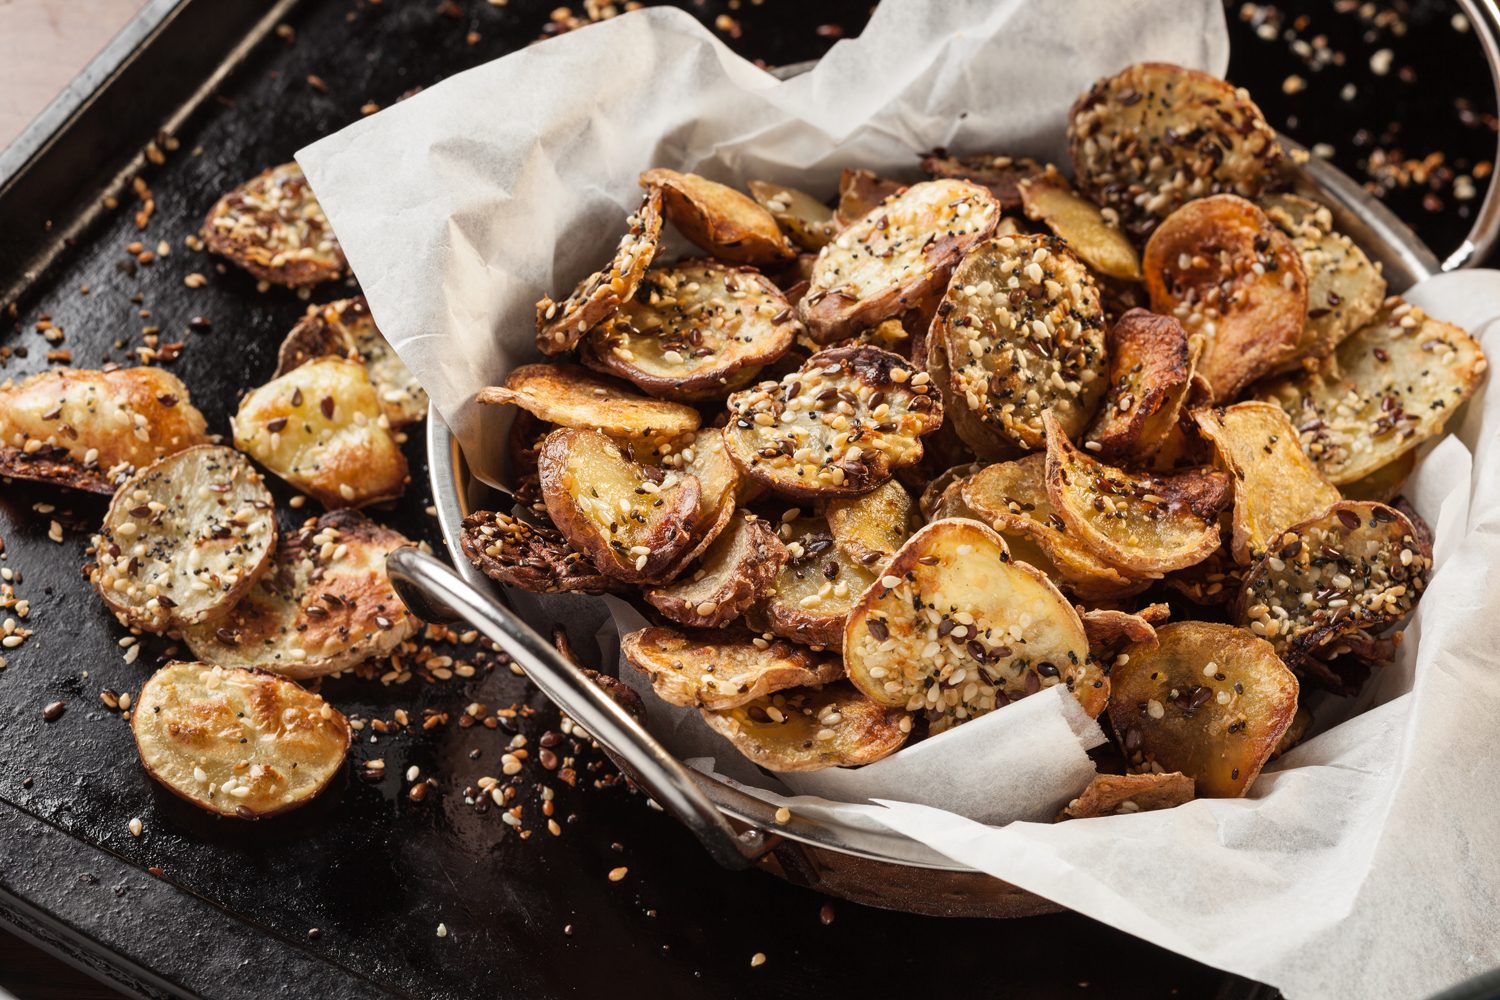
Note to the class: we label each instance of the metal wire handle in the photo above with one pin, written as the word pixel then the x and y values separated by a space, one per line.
pixel 1484 15
pixel 435 592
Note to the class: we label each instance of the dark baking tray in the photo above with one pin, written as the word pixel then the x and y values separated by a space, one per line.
pixel 229 911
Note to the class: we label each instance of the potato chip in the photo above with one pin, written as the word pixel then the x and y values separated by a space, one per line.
pixel 1208 700
pixel 1001 174
pixel 719 219
pixel 802 217
pixel 872 527
pixel 1107 627
pixel 815 587
pixel 273 227
pixel 933 493
pixel 346 329
pixel 717 673
pixel 534 557
pixel 860 193
pixel 810 728
pixel 720 489
pixel 1384 484
pixel 570 396
pixel 1150 371
pixel 733 573
pixel 1123 794
pixel 1073 218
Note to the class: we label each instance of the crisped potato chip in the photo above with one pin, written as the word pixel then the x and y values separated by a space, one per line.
pixel 719 219
pixel 88 430
pixel 1123 794
pixel 1155 136
pixel 1141 522
pixel 1275 484
pixel 955 629
pixel 694 331
pixel 1048 199
pixel 815 587
pixel 1024 334
pixel 733 573
pixel 534 557
pixel 835 428
pixel 807 729
pixel 1384 484
pixel 860 193
pixel 894 257
pixel 273 227
pixel 1359 566
pixel 324 605
pixel 1227 273
pixel 241 743
pixel 321 427
pixel 1344 290
pixel 570 396
pixel 1209 700
pixel 560 325
pixel 184 539
pixel 1001 174
pixel 933 493
pixel 1106 627
pixel 802 217
pixel 1386 389
pixel 872 527
pixel 345 328
pixel 1150 371
pixel 719 674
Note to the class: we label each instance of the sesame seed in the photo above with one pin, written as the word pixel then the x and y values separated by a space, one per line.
pixel 618 874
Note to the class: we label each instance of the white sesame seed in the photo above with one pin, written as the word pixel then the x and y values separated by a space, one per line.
pixel 135 826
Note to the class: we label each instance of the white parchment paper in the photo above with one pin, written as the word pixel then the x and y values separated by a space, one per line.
pixel 1365 864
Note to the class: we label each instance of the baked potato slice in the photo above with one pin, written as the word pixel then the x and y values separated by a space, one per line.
pixel 894 256
pixel 1344 290
pixel 324 605
pixel 560 325
pixel 89 430
pixel 1230 275
pixel 241 743
pixel 1107 628
pixel 694 331
pixel 570 396
pixel 1357 567
pixel 732 575
pixel 1123 794
pixel 1048 198
pixel 1387 388
pixel 860 193
pixel 955 629
pixel 810 728
pixel 274 228
pixel 803 218
pixel 1024 333
pixel 1001 174
pixel 321 427
pixel 633 523
pixel 1208 700
pixel 346 329
pixel 836 427
pixel 1141 522
pixel 933 494
pixel 1155 136
pixel 695 671
pixel 1275 484
pixel 533 557
pixel 814 589
pixel 1384 484
pixel 184 539
pixel 1150 371
pixel 720 220
pixel 871 528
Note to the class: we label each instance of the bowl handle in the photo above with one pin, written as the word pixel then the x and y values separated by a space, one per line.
pixel 433 591
pixel 1484 15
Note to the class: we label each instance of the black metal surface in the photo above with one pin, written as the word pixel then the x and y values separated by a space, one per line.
pixel 229 914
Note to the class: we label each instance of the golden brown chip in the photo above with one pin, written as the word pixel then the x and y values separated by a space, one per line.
pixel 324 605
pixel 321 427
pixel 241 743
pixel 1141 522
pixel 894 256
pixel 808 729
pixel 1024 334
pixel 1123 794
pixel 1155 136
pixel 1209 700
pixel 1384 484
pixel 570 396
pixel 955 629
pixel 1071 217
pixel 719 219
pixel 860 193
pixel 872 527
pixel 345 328
pixel 1107 627
pixel 632 524
pixel 1150 371
pixel 815 587
pixel 1275 484
pixel 694 331
pixel 89 430
pixel 273 227
pixel 802 217
pixel 533 557
pixel 933 494
pixel 718 674
pixel 1358 567
pixel 184 539
pixel 1002 175
pixel 1227 273
pixel 1388 388
pixel 560 325
pixel 733 573
pixel 837 427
